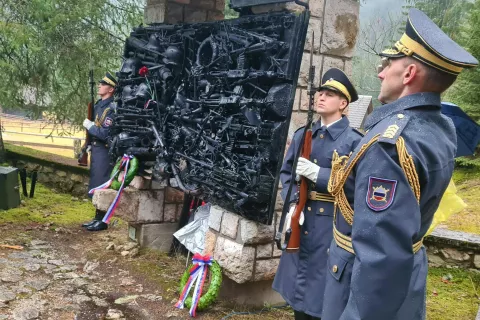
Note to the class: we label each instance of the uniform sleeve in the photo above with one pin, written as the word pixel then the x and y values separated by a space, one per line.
pixel 286 171
pixel 387 218
pixel 101 132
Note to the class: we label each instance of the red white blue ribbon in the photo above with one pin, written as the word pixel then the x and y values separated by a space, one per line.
pixel 198 274
pixel 111 210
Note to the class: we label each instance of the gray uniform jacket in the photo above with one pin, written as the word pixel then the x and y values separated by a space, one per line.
pixel 384 279
pixel 300 277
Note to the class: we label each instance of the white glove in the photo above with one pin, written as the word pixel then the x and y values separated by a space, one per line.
pixel 89 148
pixel 289 217
pixel 307 169
pixel 87 124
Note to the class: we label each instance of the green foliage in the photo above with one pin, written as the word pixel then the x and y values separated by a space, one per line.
pixel 229 12
pixel 46 47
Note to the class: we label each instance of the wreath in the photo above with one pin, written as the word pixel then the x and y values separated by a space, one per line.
pixel 208 297
pixel 132 171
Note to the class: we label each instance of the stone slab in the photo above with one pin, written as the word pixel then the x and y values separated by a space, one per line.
pixel 255 294
pixel 156 236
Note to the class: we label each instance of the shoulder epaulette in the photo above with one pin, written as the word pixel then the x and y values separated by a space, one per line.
pixel 394 129
pixel 359 132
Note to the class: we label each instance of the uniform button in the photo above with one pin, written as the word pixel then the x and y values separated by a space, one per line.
pixel 321 210
pixel 306 232
pixel 315 160
pixel 309 208
pixel 400 116
pixel 334 269
pixel 321 136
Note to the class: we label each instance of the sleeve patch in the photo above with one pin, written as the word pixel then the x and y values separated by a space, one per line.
pixel 108 122
pixel 381 193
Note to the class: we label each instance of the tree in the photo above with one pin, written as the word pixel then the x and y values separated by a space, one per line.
pixel 465 90
pixel 46 47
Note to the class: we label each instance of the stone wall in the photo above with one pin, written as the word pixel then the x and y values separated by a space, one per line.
pixel 57 172
pixel 453 249
pixel 176 11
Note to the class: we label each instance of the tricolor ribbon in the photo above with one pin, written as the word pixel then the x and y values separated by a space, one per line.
pixel 123 165
pixel 198 274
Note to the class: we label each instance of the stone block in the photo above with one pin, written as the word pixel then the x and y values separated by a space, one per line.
pixel 150 204
pixel 214 15
pixel 266 269
pixel 298 120
pixel 278 202
pixel 156 236
pixel 193 15
pixel 179 212
pixel 316 8
pixel 331 62
pixel 255 233
pixel 476 261
pixel 46 169
pixel 215 218
pixel 61 174
pixel 141 183
pixel 175 13
pixel 203 4
pixel 268 8
pixel 76 178
pixel 229 224
pixel 173 195
pixel 169 212
pixel 255 294
pixel 220 5
pixel 455 255
pixel 264 251
pixel 210 241
pixel 127 208
pixel 436 261
pixel 158 185
pixel 348 69
pixel 235 259
pixel 276 252
pixel 305 67
pixel 340 28
pixel 315 27
pixel 155 12
pixel 181 1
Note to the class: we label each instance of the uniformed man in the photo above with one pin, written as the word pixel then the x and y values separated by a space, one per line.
pixel 390 187
pixel 100 167
pixel 300 278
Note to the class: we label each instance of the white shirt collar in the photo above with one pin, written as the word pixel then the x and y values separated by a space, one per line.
pixel 328 125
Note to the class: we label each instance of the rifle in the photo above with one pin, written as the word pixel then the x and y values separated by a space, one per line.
pixel 292 234
pixel 83 157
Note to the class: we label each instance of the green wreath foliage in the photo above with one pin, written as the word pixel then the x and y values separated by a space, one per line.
pixel 132 171
pixel 209 297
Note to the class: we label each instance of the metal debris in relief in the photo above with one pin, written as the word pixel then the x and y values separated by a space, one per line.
pixel 207 106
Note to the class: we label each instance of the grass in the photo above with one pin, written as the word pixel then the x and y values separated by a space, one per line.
pixel 452 299
pixel 468 187
pixel 47 206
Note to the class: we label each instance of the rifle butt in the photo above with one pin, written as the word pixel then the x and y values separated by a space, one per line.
pixel 83 159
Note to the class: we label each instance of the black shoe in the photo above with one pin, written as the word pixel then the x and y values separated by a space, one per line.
pixel 88 224
pixel 98 226
pixel 98 217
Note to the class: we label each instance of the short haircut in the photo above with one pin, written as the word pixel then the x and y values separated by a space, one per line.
pixel 435 80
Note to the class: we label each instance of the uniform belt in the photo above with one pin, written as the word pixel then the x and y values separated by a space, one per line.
pixel 345 242
pixel 98 143
pixel 312 195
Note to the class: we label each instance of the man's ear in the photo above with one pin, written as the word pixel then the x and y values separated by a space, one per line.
pixel 343 104
pixel 411 72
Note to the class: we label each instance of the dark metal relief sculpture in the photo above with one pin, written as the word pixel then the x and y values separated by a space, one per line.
pixel 207 106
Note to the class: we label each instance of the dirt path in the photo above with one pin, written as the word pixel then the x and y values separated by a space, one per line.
pixel 72 274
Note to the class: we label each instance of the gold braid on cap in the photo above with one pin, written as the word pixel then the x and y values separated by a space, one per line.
pixel 340 87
